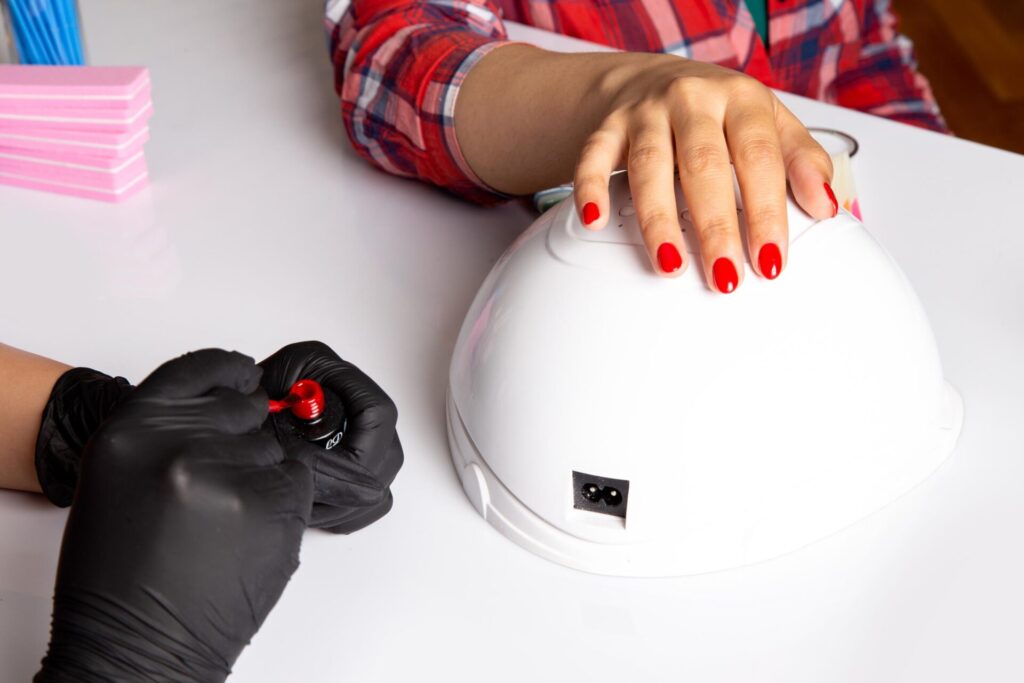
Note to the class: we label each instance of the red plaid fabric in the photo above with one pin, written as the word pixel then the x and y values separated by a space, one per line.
pixel 399 63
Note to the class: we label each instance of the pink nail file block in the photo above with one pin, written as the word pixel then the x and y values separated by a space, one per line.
pixel 77 130
pixel 105 177
pixel 74 143
pixel 122 109
pixel 98 122
pixel 117 194
pixel 72 158
pixel 76 87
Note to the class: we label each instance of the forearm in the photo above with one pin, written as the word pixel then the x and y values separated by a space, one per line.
pixel 524 113
pixel 25 384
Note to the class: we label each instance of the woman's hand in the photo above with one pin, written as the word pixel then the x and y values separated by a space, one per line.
pixel 665 113
pixel 586 115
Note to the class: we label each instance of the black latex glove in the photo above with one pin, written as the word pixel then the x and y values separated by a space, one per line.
pixel 184 530
pixel 352 480
pixel 80 401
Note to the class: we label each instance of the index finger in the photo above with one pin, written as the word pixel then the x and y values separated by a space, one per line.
pixel 652 181
pixel 198 372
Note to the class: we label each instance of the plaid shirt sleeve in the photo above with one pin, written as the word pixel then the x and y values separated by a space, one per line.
pixel 885 80
pixel 398 67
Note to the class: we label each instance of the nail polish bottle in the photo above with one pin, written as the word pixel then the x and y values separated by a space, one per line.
pixel 312 413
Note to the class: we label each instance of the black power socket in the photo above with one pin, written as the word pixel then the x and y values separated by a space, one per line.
pixel 600 494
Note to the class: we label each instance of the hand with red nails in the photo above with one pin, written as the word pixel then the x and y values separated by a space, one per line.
pixel 588 115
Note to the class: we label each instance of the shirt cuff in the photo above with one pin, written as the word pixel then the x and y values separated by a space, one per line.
pixel 473 188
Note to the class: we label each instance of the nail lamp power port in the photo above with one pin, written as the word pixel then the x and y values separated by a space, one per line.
pixel 626 424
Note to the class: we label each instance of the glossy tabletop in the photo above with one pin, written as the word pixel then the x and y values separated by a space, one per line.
pixel 262 227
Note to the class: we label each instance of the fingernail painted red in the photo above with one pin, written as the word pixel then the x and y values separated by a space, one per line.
pixel 770 260
pixel 669 258
pixel 590 213
pixel 725 275
pixel 832 198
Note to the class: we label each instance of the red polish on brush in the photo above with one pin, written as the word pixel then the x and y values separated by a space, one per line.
pixel 305 400
pixel 311 413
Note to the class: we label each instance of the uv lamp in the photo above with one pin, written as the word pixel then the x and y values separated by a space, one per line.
pixel 627 424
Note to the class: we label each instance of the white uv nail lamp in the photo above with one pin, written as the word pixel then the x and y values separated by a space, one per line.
pixel 627 424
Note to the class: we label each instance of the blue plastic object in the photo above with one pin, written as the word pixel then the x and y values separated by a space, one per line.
pixel 46 31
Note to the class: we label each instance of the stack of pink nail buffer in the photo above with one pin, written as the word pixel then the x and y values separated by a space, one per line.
pixel 76 130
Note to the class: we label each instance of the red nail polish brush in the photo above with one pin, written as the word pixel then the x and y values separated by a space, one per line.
pixel 305 400
pixel 311 412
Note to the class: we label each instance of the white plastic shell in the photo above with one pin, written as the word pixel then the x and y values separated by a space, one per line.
pixel 747 425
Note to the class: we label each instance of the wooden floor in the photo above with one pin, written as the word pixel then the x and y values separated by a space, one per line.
pixel 972 51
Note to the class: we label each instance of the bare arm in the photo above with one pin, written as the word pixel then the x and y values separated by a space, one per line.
pixel 524 113
pixel 25 384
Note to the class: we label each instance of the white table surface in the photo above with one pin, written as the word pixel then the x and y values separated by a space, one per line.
pixel 253 182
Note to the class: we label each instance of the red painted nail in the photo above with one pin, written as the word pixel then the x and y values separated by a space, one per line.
pixel 832 198
pixel 770 260
pixel 669 258
pixel 725 275
pixel 590 213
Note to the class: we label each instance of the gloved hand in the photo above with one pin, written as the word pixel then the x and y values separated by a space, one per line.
pixel 185 529
pixel 353 479
pixel 80 401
